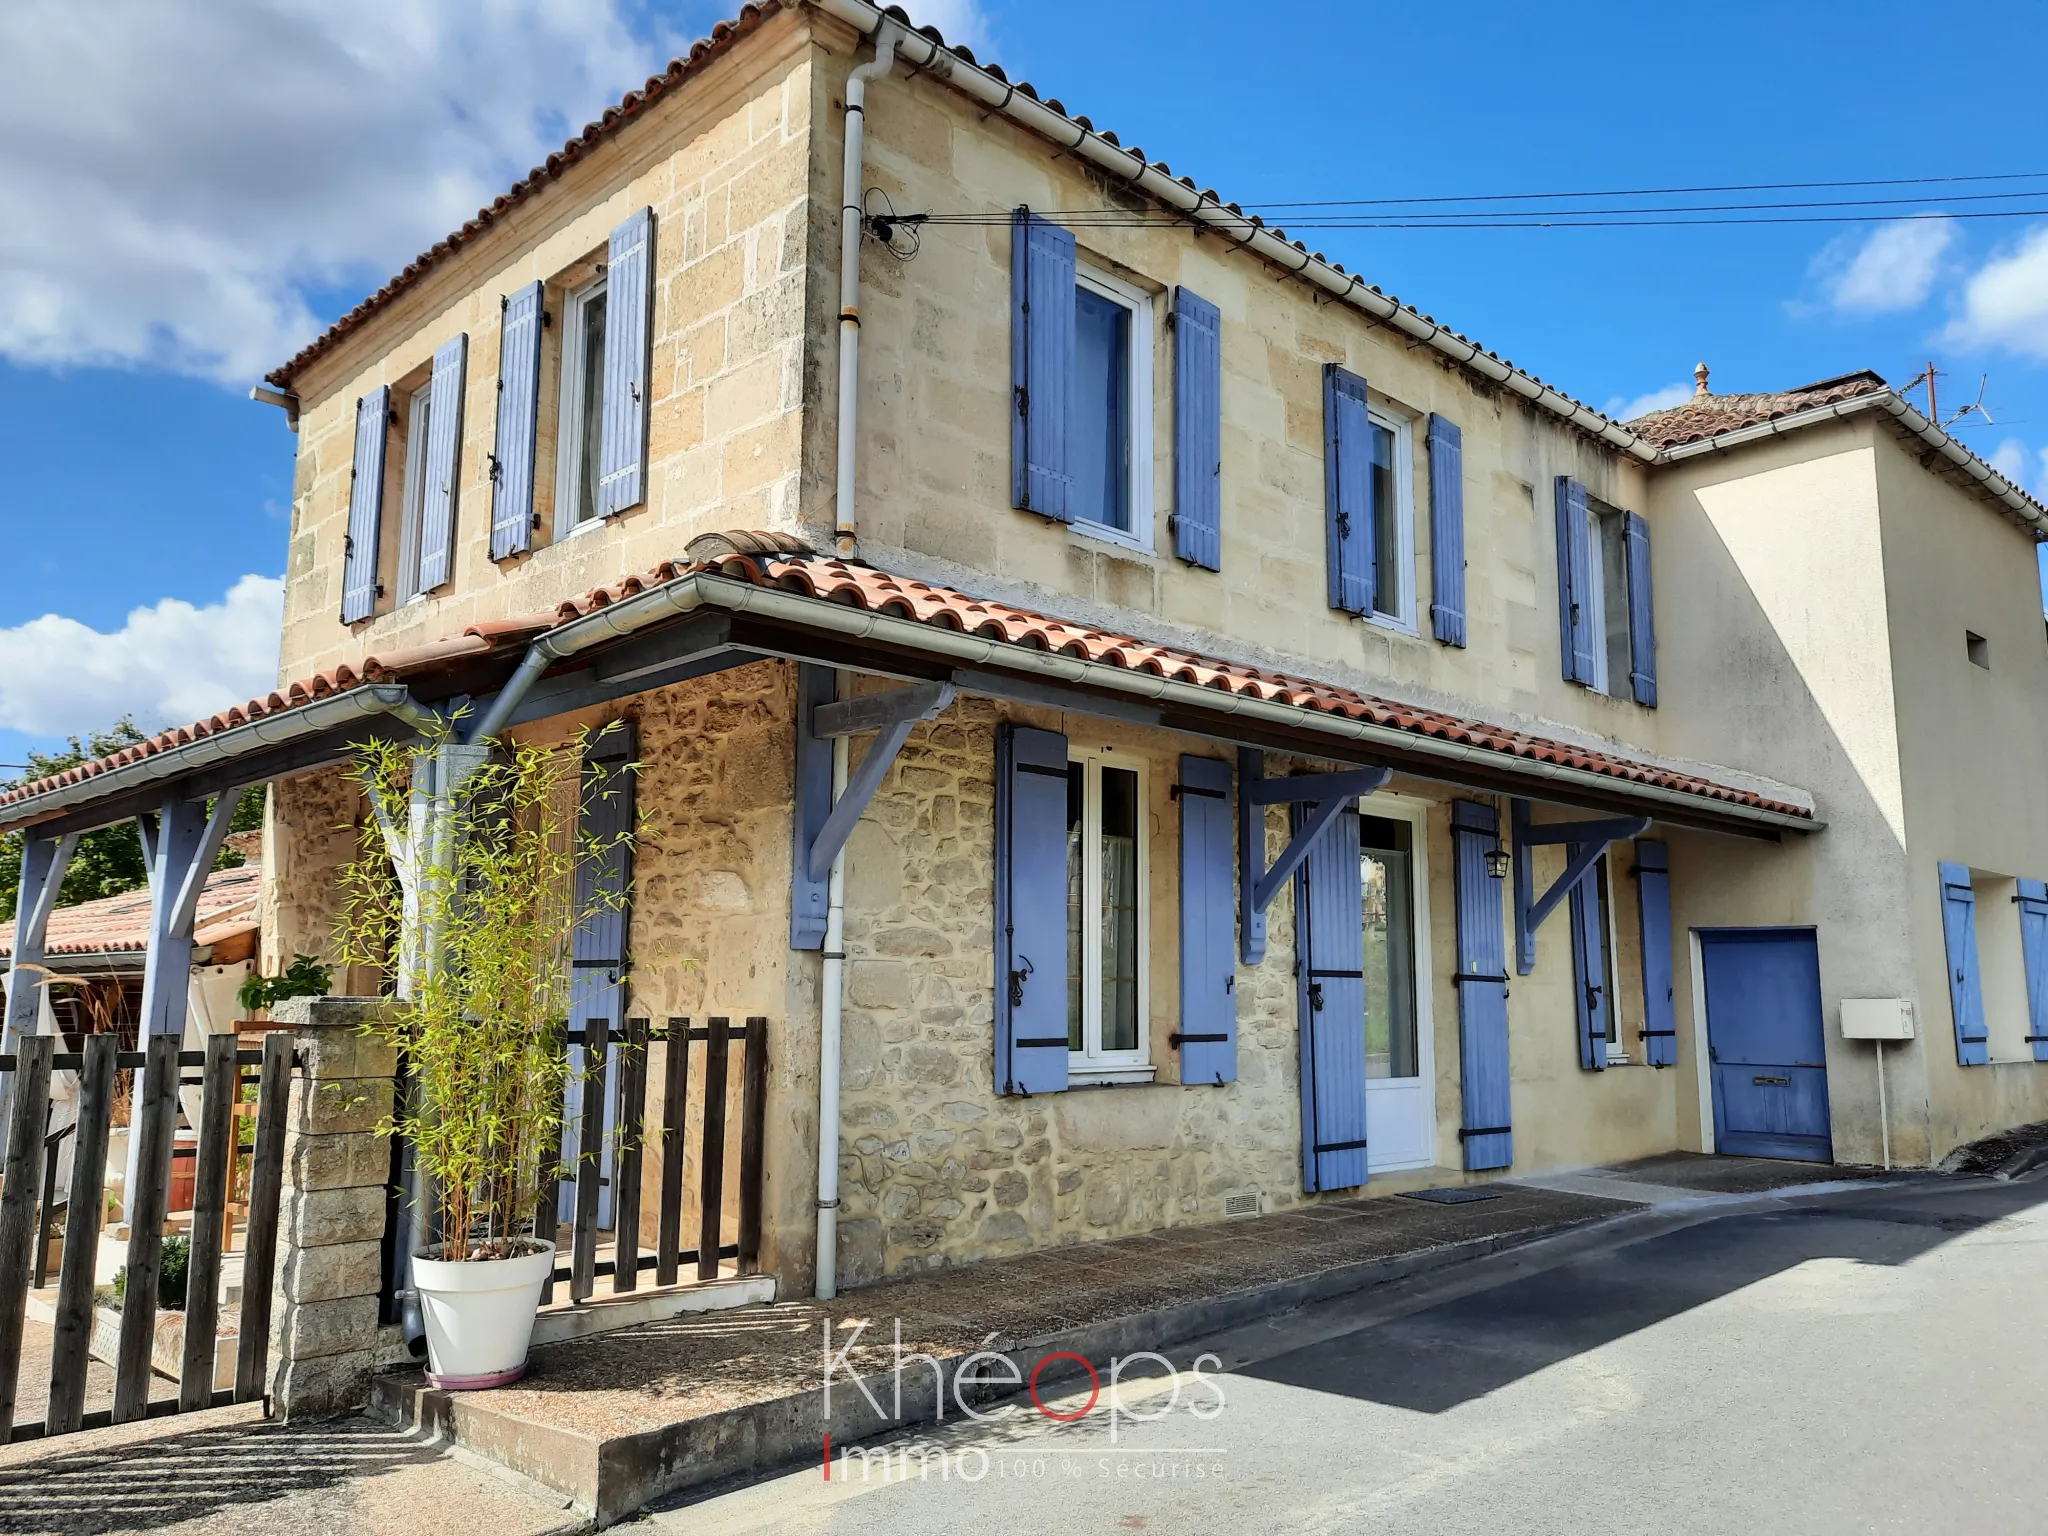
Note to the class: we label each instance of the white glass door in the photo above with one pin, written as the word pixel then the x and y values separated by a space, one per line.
pixel 1400 1095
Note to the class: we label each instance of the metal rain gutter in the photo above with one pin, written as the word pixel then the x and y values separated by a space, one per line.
pixel 273 730
pixel 698 590
pixel 1003 97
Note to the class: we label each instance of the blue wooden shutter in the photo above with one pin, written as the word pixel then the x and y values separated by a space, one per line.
pixel 1041 364
pixel 1198 430
pixel 628 365
pixel 1589 971
pixel 1208 930
pixel 443 467
pixel 1965 990
pixel 1347 491
pixel 1482 989
pixel 1653 909
pixel 359 585
pixel 2034 946
pixel 597 978
pixel 518 423
pixel 1031 911
pixel 1642 616
pixel 1447 529
pixel 1574 578
pixel 1330 955
pixel 810 809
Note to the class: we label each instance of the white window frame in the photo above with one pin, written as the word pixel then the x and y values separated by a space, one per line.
pixel 1138 394
pixel 568 462
pixel 1415 812
pixel 1601 520
pixel 412 498
pixel 1402 620
pixel 1617 1044
pixel 1092 1064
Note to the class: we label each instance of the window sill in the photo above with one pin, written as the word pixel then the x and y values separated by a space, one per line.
pixel 1102 533
pixel 1108 1077
pixel 1616 1057
pixel 1392 625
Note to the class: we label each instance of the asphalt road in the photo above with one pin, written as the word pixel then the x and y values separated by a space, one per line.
pixel 1874 1361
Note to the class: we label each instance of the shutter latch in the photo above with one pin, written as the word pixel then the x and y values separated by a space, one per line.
pixel 1017 982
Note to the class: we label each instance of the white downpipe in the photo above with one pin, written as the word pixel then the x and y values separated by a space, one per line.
pixel 849 277
pixel 832 983
pixel 832 990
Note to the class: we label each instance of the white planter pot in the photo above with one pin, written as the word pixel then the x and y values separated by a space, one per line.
pixel 479 1317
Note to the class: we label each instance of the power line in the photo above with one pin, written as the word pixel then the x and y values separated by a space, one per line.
pixel 1133 219
pixel 1760 186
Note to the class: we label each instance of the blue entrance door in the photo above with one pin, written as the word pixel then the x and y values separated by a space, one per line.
pixel 1765 1043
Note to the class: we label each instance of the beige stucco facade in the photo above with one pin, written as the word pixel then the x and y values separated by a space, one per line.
pixel 1812 597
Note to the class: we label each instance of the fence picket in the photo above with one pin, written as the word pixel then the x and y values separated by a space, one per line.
pixel 753 1130
pixel 71 1338
pixel 547 1205
pixel 18 1224
pixel 675 1098
pixel 153 1125
pixel 266 1185
pixel 589 1159
pixel 711 1164
pixel 632 1076
pixel 209 1206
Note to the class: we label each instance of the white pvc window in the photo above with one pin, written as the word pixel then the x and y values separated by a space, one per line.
pixel 1607 597
pixel 412 501
pixel 1393 499
pixel 1108 918
pixel 1110 446
pixel 578 444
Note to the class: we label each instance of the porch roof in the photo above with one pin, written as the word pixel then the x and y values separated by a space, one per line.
pixel 753 595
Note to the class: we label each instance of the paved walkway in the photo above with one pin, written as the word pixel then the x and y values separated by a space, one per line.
pixel 686 1396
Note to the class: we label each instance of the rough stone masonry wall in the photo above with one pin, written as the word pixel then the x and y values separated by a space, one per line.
pixel 935 1166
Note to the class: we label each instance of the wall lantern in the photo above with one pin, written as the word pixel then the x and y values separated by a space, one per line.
pixel 1498 864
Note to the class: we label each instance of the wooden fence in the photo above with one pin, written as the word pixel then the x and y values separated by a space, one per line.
pixel 29 1220
pixel 623 1060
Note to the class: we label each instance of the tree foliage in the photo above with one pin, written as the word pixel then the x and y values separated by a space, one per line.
pixel 107 861
pixel 480 1024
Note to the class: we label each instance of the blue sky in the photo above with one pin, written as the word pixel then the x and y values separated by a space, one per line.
pixel 240 175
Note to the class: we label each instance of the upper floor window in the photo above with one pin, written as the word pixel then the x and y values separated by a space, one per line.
pixel 412 499
pixel 580 443
pixel 1607 597
pixel 1369 503
pixel 1393 532
pixel 1111 445
pixel 1106 913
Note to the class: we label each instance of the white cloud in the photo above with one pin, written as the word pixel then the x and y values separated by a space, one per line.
pixel 2005 302
pixel 1893 269
pixel 962 21
pixel 168 664
pixel 1656 400
pixel 179 173
pixel 2024 467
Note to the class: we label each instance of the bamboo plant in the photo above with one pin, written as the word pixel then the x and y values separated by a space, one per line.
pixel 483 931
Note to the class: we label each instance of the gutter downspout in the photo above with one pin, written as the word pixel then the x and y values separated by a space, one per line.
pixel 832 980
pixel 849 277
pixel 832 994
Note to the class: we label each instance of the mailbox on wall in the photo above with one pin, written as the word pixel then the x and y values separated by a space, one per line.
pixel 1877 1018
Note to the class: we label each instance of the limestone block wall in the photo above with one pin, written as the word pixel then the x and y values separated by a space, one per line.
pixel 724 163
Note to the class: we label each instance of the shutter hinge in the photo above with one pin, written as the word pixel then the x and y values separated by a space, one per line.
pixel 493 458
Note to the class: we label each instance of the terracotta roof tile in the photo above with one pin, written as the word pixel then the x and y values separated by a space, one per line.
pixel 776 561
pixel 120 924
pixel 1706 415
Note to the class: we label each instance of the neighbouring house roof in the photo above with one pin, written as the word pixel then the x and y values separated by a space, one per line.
pixel 782 565
pixel 119 925
pixel 1706 415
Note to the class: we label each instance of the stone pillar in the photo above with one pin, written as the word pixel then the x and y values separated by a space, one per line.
pixel 324 1323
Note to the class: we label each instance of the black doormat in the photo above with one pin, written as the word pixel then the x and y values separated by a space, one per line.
pixel 1450 1195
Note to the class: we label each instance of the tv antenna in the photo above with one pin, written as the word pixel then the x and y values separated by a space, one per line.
pixel 1928 376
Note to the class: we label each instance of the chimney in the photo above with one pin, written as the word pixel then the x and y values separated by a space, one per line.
pixel 1699 374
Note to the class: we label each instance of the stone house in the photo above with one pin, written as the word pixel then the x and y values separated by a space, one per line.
pixel 1183 733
